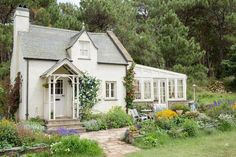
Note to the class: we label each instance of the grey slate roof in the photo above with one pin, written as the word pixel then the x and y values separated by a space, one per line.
pixel 51 43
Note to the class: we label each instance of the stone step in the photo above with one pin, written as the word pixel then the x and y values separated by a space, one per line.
pixel 53 125
pixel 64 121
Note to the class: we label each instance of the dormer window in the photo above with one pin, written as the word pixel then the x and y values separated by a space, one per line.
pixel 84 49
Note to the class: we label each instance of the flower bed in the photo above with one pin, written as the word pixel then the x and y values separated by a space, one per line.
pixel 169 125
pixel 115 118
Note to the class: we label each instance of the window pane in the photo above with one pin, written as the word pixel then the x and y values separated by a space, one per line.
pixel 107 90
pixel 171 88
pixel 84 49
pixel 147 90
pixel 137 90
pixel 112 90
pixel 155 88
pixel 180 88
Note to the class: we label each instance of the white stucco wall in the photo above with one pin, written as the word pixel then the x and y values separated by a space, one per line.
pixel 37 93
pixel 103 72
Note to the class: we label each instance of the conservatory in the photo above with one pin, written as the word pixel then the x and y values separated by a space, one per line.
pixel 159 87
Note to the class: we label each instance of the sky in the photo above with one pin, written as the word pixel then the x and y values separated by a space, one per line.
pixel 71 1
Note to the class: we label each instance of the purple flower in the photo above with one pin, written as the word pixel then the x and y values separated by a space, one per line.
pixel 64 131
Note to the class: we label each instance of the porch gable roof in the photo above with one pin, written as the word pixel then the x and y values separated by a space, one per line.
pixel 63 62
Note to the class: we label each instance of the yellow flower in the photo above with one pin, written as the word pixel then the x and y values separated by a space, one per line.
pixel 234 106
pixel 167 114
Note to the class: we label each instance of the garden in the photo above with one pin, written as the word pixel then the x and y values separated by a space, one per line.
pixel 29 137
pixel 179 127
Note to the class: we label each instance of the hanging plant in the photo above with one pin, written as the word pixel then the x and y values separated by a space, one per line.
pixel 129 85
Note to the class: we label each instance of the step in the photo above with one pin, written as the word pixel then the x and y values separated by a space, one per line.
pixel 64 121
pixel 53 125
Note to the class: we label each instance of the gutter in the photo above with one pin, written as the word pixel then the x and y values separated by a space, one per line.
pixel 27 90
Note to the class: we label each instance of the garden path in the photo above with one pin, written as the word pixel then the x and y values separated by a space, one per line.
pixel 110 140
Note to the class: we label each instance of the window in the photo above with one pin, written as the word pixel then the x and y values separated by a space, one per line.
pixel 163 91
pixel 147 89
pixel 110 90
pixel 155 89
pixel 171 89
pixel 84 49
pixel 58 87
pixel 137 89
pixel 180 88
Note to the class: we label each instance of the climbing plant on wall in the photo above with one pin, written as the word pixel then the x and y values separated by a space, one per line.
pixel 88 93
pixel 129 85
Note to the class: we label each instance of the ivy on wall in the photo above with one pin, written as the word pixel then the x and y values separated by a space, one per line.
pixel 129 85
pixel 88 93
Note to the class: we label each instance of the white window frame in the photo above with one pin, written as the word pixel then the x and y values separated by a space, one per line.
pixel 84 46
pixel 142 80
pixel 172 88
pixel 149 88
pixel 62 89
pixel 178 86
pixel 139 87
pixel 110 97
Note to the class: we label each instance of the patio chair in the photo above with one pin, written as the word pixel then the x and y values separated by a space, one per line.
pixel 136 116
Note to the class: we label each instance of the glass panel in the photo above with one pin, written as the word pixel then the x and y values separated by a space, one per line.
pixel 112 90
pixel 171 88
pixel 107 90
pixel 155 90
pixel 84 49
pixel 58 87
pixel 180 88
pixel 163 91
pixel 137 90
pixel 147 89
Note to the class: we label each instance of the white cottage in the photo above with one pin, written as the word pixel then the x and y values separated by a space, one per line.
pixel 51 61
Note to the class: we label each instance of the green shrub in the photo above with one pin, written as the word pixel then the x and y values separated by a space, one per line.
pixel 225 122
pixel 74 145
pixel 117 118
pixel 93 125
pixel 147 126
pixel 183 107
pixel 165 124
pixel 215 112
pixel 190 127
pixel 152 139
pixel 35 126
pixel 8 133
pixel 37 120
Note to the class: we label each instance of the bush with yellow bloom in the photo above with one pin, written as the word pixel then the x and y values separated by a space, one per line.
pixel 166 114
pixel 234 106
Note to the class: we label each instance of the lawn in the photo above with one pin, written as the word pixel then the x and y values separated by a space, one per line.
pixel 209 97
pixel 217 145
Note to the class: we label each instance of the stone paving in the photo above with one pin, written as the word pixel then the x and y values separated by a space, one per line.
pixel 110 140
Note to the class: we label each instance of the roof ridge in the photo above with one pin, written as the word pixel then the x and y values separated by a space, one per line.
pixel 53 28
pixel 97 32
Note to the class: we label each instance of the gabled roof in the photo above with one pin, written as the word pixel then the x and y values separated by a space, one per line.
pixel 52 44
pixel 120 46
pixel 66 63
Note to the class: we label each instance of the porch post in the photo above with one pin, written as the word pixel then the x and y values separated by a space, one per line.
pixel 49 98
pixel 77 96
pixel 73 97
pixel 54 97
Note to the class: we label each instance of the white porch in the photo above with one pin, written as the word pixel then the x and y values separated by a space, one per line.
pixel 62 94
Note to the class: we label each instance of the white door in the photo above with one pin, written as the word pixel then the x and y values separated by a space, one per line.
pixel 59 97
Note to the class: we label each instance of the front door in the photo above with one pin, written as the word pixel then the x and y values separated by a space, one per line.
pixel 59 97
